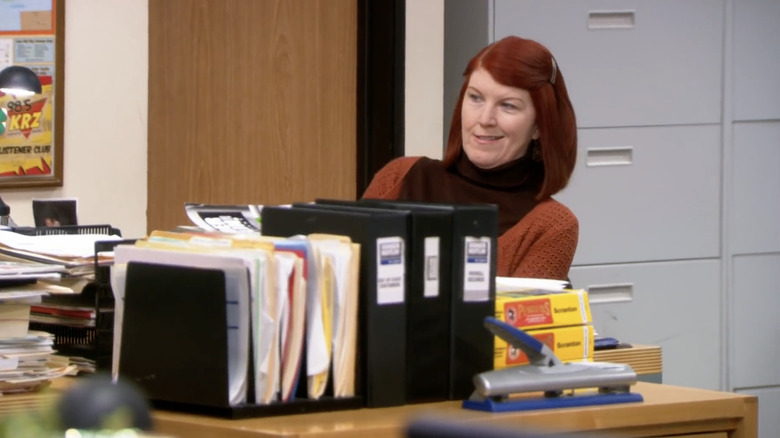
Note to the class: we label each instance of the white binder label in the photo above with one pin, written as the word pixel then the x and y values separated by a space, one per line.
pixel 390 270
pixel 476 281
pixel 431 288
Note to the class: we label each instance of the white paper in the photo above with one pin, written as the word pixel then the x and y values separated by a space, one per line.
pixel 60 245
pixel 431 285
pixel 509 284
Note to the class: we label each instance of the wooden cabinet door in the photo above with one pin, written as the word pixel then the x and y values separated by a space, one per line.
pixel 250 102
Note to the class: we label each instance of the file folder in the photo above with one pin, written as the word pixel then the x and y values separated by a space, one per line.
pixel 428 298
pixel 473 269
pixel 382 237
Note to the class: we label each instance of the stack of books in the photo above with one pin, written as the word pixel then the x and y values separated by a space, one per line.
pixel 558 317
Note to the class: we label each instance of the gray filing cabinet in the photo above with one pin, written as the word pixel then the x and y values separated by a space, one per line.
pixel 677 183
pixel 752 191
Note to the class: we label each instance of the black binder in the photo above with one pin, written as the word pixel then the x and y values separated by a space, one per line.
pixel 428 298
pixel 382 319
pixel 471 344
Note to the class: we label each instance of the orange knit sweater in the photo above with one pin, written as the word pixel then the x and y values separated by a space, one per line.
pixel 541 245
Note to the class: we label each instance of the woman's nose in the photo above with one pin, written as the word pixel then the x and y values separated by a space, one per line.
pixel 487 117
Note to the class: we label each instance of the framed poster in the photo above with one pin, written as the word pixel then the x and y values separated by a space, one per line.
pixel 32 35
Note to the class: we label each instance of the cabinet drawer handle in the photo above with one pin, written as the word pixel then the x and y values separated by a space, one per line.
pixel 618 156
pixel 610 293
pixel 598 20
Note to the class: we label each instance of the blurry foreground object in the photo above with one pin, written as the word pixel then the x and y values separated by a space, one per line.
pixel 98 404
pixel 92 407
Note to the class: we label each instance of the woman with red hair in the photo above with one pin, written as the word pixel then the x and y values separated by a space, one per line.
pixel 513 143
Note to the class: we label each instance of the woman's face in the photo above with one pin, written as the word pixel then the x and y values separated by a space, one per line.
pixel 498 122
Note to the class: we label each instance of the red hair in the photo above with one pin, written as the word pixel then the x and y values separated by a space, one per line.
pixel 526 64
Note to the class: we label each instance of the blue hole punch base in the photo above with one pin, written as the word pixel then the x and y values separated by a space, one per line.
pixel 563 401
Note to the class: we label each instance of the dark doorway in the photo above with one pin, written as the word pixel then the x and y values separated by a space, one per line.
pixel 380 108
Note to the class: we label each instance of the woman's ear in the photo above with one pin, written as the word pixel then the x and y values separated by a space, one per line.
pixel 535 135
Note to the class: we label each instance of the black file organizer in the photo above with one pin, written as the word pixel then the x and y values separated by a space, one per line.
pixel 94 343
pixel 174 345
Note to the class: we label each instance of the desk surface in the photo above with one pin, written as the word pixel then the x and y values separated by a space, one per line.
pixel 667 410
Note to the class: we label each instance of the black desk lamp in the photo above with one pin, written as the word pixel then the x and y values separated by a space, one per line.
pixel 19 81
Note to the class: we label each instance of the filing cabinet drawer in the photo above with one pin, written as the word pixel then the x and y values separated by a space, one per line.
pixel 644 194
pixel 756 341
pixel 756 61
pixel 628 63
pixel 672 304
pixel 755 211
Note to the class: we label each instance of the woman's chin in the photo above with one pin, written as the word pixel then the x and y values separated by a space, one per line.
pixel 483 162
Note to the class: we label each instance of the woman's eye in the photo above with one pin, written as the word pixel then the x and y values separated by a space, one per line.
pixel 508 106
pixel 474 97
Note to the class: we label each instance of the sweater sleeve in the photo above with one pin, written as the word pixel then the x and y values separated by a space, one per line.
pixel 387 183
pixel 544 246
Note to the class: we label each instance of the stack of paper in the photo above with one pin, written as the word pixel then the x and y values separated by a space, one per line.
pixel 68 250
pixel 24 355
pixel 294 297
pixel 27 361
pixel 644 359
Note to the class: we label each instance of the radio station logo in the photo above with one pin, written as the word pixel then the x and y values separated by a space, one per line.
pixel 22 116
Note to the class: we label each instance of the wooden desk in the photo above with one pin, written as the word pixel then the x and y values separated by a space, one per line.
pixel 666 411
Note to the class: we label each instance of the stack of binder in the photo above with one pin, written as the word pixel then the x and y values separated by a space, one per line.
pixel 429 342
pixel 382 311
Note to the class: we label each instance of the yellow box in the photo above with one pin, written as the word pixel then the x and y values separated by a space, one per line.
pixel 530 309
pixel 572 343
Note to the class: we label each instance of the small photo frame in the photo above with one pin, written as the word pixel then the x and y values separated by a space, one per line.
pixel 55 212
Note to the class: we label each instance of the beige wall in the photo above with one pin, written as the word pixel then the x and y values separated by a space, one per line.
pixel 106 69
pixel 105 111
pixel 424 78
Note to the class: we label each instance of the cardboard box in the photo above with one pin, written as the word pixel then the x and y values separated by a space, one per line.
pixel 533 309
pixel 572 343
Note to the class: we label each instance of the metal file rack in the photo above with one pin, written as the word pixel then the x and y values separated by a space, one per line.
pixel 95 342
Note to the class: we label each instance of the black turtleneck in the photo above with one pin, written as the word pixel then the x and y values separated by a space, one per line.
pixel 512 186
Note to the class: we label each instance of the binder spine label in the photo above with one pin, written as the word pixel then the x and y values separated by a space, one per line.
pixel 476 281
pixel 390 270
pixel 431 287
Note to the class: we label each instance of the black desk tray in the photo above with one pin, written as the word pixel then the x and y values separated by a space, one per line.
pixel 302 406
